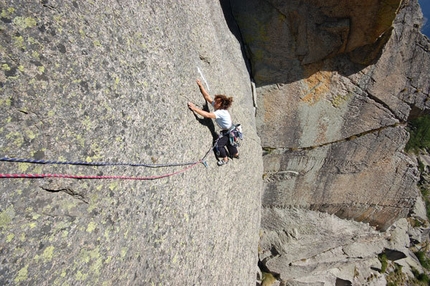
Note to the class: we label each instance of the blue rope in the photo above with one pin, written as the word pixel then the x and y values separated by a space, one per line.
pixel 83 163
pixel 34 161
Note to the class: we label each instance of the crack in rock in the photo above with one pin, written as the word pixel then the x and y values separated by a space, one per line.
pixel 268 149
pixel 68 191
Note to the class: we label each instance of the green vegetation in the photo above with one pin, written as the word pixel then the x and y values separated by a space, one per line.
pixel 420 278
pixel 397 277
pixel 384 263
pixel 426 197
pixel 424 260
pixel 268 279
pixel 419 129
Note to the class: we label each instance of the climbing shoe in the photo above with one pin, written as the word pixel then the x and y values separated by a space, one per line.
pixel 222 162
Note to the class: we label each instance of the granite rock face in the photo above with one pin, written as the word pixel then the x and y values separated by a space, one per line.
pixel 312 248
pixel 109 81
pixel 336 87
pixel 283 35
pixel 334 132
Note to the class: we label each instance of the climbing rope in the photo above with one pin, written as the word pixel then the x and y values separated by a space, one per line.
pixel 34 161
pixel 65 176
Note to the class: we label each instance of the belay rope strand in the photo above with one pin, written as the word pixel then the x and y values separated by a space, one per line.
pixel 65 176
pixel 34 161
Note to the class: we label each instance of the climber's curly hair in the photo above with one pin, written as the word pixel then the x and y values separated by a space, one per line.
pixel 225 101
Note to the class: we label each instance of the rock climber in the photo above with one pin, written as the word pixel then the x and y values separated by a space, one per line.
pixel 223 119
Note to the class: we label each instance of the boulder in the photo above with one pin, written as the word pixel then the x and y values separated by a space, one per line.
pixel 302 245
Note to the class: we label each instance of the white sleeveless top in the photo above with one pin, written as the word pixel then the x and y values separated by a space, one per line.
pixel 223 118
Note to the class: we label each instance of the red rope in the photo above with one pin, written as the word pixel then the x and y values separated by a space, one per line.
pixel 36 176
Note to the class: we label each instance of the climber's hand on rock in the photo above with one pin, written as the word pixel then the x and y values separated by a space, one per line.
pixel 191 106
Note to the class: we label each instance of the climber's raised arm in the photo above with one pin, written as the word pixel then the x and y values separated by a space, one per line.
pixel 204 92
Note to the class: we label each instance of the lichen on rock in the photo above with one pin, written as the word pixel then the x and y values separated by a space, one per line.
pixel 109 81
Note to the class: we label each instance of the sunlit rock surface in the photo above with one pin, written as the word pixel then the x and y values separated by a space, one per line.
pixel 109 81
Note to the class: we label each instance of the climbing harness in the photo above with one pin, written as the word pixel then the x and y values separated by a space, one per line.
pixel 234 134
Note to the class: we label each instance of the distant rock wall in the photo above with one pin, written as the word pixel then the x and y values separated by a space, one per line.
pixel 334 129
pixel 109 81
pixel 337 82
pixel 283 37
